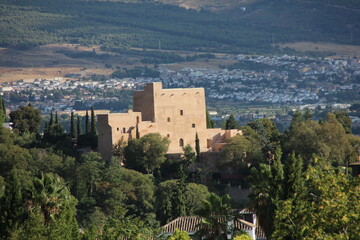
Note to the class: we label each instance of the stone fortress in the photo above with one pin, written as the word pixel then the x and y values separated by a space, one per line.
pixel 174 113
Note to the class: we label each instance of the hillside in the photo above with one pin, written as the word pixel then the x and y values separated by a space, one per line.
pixel 339 21
pixel 212 5
pixel 119 25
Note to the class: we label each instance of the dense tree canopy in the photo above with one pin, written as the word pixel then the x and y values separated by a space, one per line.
pixel 147 153
pixel 46 210
pixel 324 205
pixel 241 151
pixel 26 119
pixel 328 140
pixel 166 195
pixel 297 202
pixel 300 189
pixel 268 135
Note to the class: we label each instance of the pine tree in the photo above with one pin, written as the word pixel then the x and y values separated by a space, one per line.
pixel 87 123
pixel 93 122
pixel 197 147
pixel 231 123
pixel 72 126
pixel 78 127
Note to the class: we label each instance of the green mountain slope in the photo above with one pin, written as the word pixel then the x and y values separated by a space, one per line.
pixel 120 25
pixel 338 20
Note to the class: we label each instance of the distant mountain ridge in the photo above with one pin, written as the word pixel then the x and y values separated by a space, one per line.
pixel 245 26
pixel 218 5
pixel 212 5
pixel 334 17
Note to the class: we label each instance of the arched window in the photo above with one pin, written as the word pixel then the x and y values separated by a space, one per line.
pixel 181 142
pixel 124 130
pixel 168 119
pixel 181 112
pixel 137 120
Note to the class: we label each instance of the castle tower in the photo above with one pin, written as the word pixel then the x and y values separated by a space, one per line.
pixel 174 113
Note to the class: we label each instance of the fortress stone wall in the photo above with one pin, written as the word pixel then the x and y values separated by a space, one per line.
pixel 174 113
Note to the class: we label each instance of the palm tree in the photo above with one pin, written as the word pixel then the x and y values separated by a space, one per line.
pixel 260 197
pixel 50 196
pixel 214 212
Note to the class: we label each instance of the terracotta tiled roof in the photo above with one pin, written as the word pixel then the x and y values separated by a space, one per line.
pixel 246 211
pixel 191 224
pixel 354 163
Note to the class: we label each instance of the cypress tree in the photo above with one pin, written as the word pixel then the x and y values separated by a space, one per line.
pixel 294 171
pixel 197 147
pixel 51 121
pixel 277 173
pixel 56 118
pixel 78 126
pixel 178 200
pixel 3 108
pixel 87 123
pixel 209 122
pixel 137 132
pixel 46 129
pixel 93 122
pixel 2 114
pixel 72 126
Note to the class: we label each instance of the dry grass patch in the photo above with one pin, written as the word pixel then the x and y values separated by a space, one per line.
pixel 339 49
pixel 15 74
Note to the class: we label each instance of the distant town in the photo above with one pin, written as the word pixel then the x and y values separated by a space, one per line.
pixel 293 80
pixel 285 79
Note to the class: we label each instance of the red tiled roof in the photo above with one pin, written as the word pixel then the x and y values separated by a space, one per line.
pixel 191 224
pixel 354 163
pixel 246 211
pixel 188 224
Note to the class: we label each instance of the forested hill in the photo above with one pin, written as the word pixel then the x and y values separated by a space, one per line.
pixel 119 24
